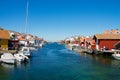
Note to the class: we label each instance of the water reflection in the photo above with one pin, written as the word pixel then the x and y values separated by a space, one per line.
pixel 5 70
pixel 83 55
pixel 7 66
pixel 106 60
pixel 102 59
pixel 11 67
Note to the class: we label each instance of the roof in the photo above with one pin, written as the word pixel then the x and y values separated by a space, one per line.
pixel 88 39
pixel 107 36
pixel 22 39
pixel 4 34
pixel 92 42
pixel 112 32
pixel 82 39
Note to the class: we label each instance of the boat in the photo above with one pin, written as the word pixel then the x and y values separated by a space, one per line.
pixel 8 58
pixel 41 45
pixel 72 46
pixel 26 51
pixel 116 54
pixel 38 45
pixel 20 57
pixel 33 48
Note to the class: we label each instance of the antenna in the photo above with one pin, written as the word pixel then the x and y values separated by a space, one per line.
pixel 26 28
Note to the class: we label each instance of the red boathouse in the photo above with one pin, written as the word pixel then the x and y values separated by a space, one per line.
pixel 106 40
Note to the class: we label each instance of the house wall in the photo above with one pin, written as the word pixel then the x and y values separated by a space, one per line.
pixel 16 44
pixel 31 41
pixel 109 44
pixel 21 42
pixel 4 43
pixel 13 44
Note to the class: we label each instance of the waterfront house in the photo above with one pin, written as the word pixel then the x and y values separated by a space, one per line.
pixel 67 41
pixel 82 41
pixel 38 41
pixel 77 40
pixel 106 41
pixel 31 40
pixel 22 39
pixel 89 43
pixel 13 42
pixel 4 37
pixel 70 40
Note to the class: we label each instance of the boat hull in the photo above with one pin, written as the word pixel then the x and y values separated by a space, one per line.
pixel 8 58
pixel 116 56
pixel 9 61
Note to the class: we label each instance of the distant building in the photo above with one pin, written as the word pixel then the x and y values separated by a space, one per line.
pixel 22 39
pixel 112 32
pixel 90 43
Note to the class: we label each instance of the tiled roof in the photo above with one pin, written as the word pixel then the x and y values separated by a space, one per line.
pixel 107 36
pixel 112 32
pixel 4 34
pixel 22 39
pixel 88 39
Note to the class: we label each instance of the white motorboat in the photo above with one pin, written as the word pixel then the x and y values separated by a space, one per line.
pixel 26 51
pixel 38 45
pixel 32 48
pixel 72 46
pixel 116 54
pixel 20 57
pixel 8 58
pixel 41 45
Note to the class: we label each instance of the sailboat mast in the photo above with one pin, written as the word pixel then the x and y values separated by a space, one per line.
pixel 26 28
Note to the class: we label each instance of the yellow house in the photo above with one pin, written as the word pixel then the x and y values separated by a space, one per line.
pixel 4 37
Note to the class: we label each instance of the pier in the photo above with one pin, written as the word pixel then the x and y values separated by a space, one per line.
pixel 9 51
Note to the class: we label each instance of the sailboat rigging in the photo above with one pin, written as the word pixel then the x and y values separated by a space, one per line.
pixel 26 28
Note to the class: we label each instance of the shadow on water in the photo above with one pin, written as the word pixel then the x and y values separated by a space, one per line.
pixel 55 62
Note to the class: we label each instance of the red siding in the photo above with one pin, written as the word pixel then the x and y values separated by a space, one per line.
pixel 109 44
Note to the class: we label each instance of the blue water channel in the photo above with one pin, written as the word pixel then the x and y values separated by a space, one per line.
pixel 55 62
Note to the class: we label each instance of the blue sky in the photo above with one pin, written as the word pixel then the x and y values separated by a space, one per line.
pixel 57 19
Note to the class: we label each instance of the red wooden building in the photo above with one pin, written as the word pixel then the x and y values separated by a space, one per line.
pixel 106 40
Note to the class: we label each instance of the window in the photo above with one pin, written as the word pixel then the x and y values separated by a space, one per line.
pixel 110 32
pixel 117 32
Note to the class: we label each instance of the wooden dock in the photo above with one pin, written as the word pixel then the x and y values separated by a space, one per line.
pixel 8 51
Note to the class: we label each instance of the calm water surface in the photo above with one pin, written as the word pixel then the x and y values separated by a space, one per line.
pixel 55 62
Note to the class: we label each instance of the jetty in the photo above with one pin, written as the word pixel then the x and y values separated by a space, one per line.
pixel 9 51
